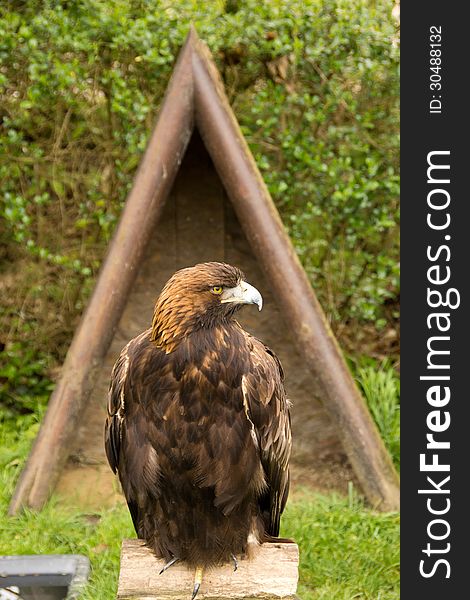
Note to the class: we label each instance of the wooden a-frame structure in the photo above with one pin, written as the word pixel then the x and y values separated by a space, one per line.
pixel 195 99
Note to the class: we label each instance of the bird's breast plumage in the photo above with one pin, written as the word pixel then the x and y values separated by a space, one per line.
pixel 194 400
pixel 200 438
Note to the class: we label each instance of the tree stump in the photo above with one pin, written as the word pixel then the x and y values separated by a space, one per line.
pixel 272 573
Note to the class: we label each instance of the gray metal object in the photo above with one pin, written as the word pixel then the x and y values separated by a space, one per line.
pixel 195 98
pixel 45 577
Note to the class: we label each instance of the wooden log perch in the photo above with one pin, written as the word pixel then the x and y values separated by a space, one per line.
pixel 271 573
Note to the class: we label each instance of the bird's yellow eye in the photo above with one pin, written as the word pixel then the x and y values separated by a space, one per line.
pixel 216 289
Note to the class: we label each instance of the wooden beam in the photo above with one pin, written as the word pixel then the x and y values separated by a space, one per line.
pixel 271 573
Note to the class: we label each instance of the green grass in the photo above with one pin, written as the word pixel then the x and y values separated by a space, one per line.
pixel 58 529
pixel 346 550
pixel 381 388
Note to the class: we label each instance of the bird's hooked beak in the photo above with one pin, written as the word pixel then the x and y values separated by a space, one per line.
pixel 243 293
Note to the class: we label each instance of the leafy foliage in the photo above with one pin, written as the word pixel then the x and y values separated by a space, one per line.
pixel 313 84
pixel 23 383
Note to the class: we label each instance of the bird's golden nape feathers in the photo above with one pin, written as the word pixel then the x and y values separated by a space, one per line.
pixel 199 297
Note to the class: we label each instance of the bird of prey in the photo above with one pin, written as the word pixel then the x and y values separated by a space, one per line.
pixel 198 424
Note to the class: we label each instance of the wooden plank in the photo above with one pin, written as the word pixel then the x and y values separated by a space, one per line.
pixel 271 573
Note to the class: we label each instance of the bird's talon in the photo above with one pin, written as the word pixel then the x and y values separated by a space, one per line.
pixel 168 564
pixel 195 590
pixel 235 562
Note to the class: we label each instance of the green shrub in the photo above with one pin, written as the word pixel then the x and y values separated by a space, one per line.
pixel 24 386
pixel 313 84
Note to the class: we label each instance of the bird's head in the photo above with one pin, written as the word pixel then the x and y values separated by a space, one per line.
pixel 200 297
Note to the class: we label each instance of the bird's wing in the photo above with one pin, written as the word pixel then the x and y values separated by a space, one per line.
pixel 116 409
pixel 128 451
pixel 267 408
